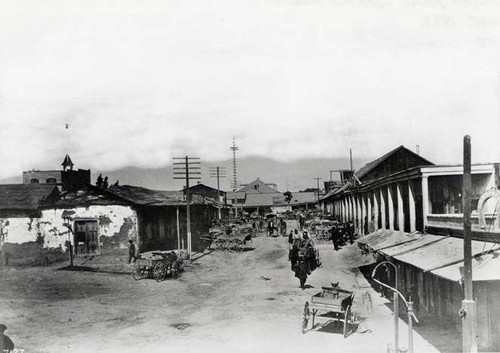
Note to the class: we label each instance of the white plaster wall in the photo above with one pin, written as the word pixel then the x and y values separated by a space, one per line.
pixel 51 225
pixel 19 230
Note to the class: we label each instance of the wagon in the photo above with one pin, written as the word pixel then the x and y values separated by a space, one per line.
pixel 332 303
pixel 157 266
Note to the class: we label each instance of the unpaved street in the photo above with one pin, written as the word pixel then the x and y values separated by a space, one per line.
pixel 225 301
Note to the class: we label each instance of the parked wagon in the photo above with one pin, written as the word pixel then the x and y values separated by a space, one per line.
pixel 332 303
pixel 159 266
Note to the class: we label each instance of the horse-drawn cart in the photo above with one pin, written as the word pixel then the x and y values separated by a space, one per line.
pixel 332 303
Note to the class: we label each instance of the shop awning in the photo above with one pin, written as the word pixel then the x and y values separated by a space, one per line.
pixel 485 267
pixel 386 238
pixel 439 254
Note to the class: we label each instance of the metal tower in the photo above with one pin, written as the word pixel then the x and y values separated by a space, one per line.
pixel 234 183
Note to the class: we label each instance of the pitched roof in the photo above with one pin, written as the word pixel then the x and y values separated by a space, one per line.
pixel 299 198
pixel 146 197
pixel 258 187
pixel 23 196
pixel 373 164
pixel 261 200
pixel 67 162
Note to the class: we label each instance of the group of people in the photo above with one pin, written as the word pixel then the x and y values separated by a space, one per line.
pixel 276 224
pixel 304 258
pixel 341 233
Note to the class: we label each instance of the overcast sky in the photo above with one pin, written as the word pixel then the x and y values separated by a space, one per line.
pixel 139 82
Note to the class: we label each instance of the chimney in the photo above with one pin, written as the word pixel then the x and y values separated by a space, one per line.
pixel 418 149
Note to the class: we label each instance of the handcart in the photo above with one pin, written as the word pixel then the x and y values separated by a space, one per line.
pixel 331 303
pixel 158 266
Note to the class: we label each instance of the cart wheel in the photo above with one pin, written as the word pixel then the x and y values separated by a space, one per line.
pixel 137 272
pixel 347 318
pixel 305 318
pixel 238 244
pixel 159 271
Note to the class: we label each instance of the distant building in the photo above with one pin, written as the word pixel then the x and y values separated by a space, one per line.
pixel 258 196
pixel 63 178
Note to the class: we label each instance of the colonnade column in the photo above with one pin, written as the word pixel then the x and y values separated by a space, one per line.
pixel 382 209
pixel 411 200
pixel 401 215
pixel 390 203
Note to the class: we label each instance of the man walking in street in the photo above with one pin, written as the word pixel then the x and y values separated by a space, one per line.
pixel 132 251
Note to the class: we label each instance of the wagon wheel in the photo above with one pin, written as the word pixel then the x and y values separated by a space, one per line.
pixel 229 245
pixel 159 271
pixel 137 272
pixel 238 244
pixel 347 318
pixel 219 244
pixel 305 318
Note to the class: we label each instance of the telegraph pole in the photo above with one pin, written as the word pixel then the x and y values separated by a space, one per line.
pixel 317 180
pixel 218 172
pixel 189 167
pixel 468 311
pixel 234 184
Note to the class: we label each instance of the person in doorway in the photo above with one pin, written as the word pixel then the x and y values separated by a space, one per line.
pixel 6 344
pixel 132 251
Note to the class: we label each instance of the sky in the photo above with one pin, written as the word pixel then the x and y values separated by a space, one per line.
pixel 141 82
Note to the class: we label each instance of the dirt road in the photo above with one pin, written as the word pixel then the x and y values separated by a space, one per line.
pixel 229 302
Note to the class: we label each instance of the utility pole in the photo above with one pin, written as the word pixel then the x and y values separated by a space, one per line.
pixel 189 167
pixel 350 158
pixel 234 184
pixel 468 311
pixel 317 181
pixel 218 172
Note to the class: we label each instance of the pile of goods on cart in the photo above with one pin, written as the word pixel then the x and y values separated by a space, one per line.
pixel 230 236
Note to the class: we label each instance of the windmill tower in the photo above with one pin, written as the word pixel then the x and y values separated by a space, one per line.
pixel 234 183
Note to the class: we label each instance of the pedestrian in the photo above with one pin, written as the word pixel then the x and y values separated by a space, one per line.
pixel 371 225
pixel 293 256
pixel 290 240
pixel 305 235
pixel 335 237
pixel 6 344
pixel 270 228
pixel 350 232
pixel 301 270
pixel 132 251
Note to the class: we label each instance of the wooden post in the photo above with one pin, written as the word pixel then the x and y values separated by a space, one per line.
pixel 396 321
pixel 188 211
pixel 178 230
pixel 468 312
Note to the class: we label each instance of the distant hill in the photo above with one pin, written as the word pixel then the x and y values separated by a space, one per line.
pixel 294 176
